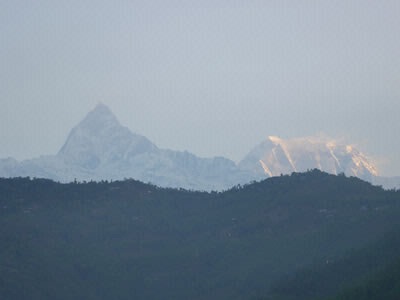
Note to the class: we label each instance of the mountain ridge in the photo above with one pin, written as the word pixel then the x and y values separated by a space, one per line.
pixel 276 155
pixel 100 148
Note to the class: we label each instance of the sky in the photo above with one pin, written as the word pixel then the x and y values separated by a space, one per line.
pixel 211 77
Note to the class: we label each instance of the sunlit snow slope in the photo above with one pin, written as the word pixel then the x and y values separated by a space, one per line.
pixel 276 156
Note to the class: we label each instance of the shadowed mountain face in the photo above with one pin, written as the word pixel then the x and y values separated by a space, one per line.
pixel 100 148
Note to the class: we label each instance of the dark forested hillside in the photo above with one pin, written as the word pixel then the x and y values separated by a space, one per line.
pixel 367 273
pixel 129 240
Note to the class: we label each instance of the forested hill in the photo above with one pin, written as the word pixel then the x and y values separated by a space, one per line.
pixel 130 240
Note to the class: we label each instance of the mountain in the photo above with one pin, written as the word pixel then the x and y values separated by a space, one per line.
pixel 276 156
pixel 100 140
pixel 100 148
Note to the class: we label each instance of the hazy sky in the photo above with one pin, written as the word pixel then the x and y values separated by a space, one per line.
pixel 210 77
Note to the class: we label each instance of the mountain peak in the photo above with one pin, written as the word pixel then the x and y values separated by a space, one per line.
pixel 102 108
pixel 100 142
pixel 277 156
pixel 98 123
pixel 100 117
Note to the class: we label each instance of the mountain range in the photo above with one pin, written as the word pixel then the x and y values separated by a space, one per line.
pixel 100 148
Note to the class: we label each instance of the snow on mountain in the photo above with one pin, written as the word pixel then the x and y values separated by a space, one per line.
pixel 276 156
pixel 100 140
pixel 100 148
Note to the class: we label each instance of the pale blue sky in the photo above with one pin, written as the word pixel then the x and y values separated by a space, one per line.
pixel 211 77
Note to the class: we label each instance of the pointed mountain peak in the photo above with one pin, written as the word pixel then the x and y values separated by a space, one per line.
pixel 101 116
pixel 102 108
pixel 100 139
pixel 97 126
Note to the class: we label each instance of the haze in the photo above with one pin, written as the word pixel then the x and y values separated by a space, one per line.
pixel 211 77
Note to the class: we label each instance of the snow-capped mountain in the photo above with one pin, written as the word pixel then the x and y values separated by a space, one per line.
pixel 276 156
pixel 100 148
pixel 100 140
